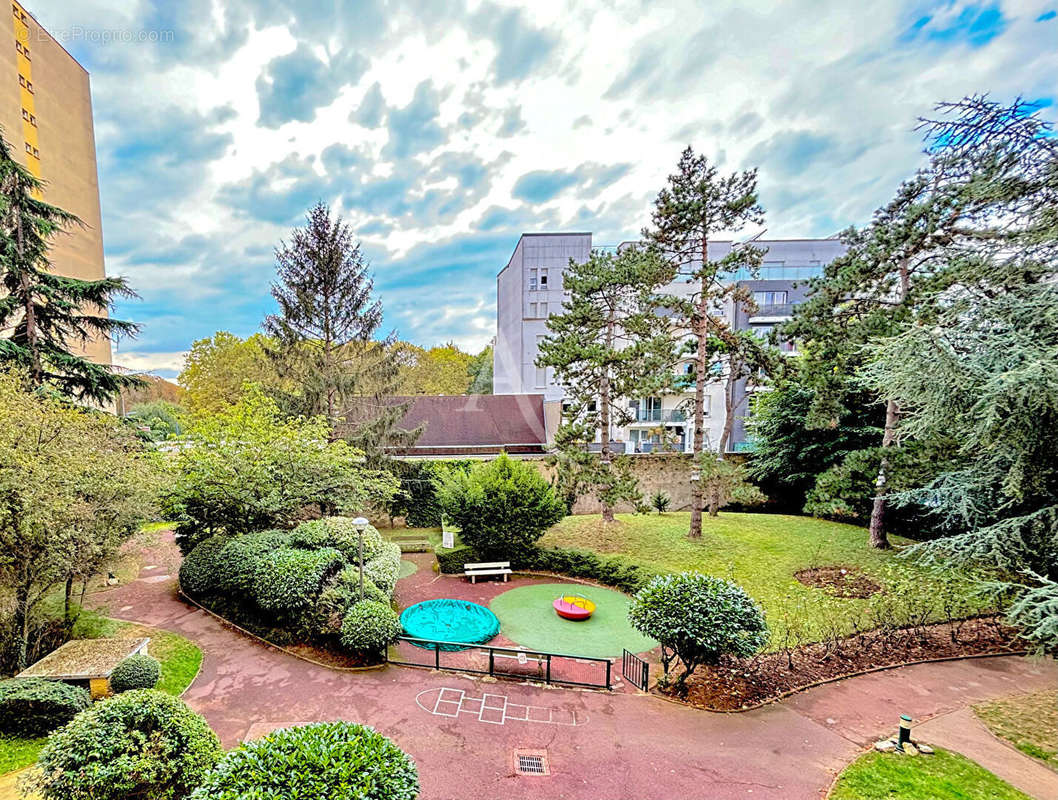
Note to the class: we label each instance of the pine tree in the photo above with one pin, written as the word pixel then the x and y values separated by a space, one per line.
pixel 43 314
pixel 608 343
pixel 695 206
pixel 324 334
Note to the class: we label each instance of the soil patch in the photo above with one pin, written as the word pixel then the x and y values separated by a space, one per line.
pixel 738 685
pixel 839 581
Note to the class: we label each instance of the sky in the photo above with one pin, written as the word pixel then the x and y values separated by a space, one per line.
pixel 441 130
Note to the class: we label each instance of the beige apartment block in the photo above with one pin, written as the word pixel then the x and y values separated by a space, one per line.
pixel 46 117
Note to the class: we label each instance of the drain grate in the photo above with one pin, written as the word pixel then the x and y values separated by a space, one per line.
pixel 530 762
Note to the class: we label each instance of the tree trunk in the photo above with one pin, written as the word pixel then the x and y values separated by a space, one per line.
pixel 68 604
pixel 21 628
pixel 735 368
pixel 698 324
pixel 714 503
pixel 604 420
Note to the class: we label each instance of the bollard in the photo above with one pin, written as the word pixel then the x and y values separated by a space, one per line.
pixel 904 737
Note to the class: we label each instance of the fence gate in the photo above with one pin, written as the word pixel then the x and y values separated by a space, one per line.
pixel 635 670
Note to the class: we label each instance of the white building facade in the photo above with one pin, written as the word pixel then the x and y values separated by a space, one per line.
pixel 529 289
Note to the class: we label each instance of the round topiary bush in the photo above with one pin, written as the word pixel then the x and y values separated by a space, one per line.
pixel 698 619
pixel 339 533
pixel 138 671
pixel 384 568
pixel 35 706
pixel 370 627
pixel 242 555
pixel 290 580
pixel 338 595
pixel 323 760
pixel 201 569
pixel 141 743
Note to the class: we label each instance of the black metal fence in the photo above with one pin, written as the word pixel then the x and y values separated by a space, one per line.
pixel 503 662
pixel 635 670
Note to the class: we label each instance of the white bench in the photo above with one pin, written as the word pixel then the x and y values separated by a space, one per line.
pixel 475 571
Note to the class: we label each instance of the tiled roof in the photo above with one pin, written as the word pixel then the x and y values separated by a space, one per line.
pixel 476 423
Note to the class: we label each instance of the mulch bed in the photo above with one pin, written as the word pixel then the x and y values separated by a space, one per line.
pixel 737 686
pixel 840 581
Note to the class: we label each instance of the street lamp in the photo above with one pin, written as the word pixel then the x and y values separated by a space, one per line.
pixel 361 525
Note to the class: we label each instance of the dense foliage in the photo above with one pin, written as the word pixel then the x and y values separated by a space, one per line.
pixel 138 671
pixel 156 421
pixel 370 627
pixel 417 500
pixel 36 706
pixel 698 619
pixel 217 370
pixel 323 760
pixel 74 486
pixel 289 580
pixel 249 468
pixel 501 507
pixel 141 743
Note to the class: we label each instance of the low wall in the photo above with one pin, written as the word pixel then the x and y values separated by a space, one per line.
pixel 671 473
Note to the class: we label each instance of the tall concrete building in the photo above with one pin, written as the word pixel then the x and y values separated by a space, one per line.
pixel 529 289
pixel 46 118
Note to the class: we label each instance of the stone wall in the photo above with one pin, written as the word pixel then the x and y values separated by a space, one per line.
pixel 670 473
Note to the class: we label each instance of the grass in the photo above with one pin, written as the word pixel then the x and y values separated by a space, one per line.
pixel 527 618
pixel 1028 721
pixel 942 776
pixel 759 551
pixel 179 659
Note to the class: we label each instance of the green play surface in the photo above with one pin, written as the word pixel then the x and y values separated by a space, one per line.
pixel 527 618
pixel 407 568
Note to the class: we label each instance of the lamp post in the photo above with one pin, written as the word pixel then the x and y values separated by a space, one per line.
pixel 361 525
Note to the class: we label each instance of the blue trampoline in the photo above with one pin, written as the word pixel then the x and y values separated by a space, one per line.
pixel 449 620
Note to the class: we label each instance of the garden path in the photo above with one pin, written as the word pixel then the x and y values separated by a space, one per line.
pixel 623 745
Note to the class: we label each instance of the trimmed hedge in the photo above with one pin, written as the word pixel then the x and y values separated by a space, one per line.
pixel 370 627
pixel 338 595
pixel 199 573
pixel 239 559
pixel 36 706
pixel 142 743
pixel 289 580
pixel 138 671
pixel 452 561
pixel 323 760
pixel 339 533
pixel 384 569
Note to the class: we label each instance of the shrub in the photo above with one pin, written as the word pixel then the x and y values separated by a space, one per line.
pixel 339 533
pixel 338 595
pixel 138 671
pixel 417 499
pixel 614 572
pixel 142 744
pixel 290 580
pixel 242 555
pixel 452 561
pixel 200 571
pixel 501 507
pixel 323 760
pixel 35 706
pixel 370 627
pixel 660 501
pixel 384 569
pixel 698 619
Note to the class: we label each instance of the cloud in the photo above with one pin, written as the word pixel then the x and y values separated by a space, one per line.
pixel 414 128
pixel 512 123
pixel 293 86
pixel 541 186
pixel 520 47
pixel 168 365
pixel 976 24
pixel 372 109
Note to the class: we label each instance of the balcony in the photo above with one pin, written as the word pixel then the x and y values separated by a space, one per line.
pixel 658 416
pixel 773 310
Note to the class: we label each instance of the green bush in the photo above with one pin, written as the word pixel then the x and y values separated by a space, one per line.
pixel 35 706
pixel 338 595
pixel 142 744
pixel 384 569
pixel 290 580
pixel 242 555
pixel 698 619
pixel 417 499
pixel 339 533
pixel 629 578
pixel 138 671
pixel 370 627
pixel 452 561
pixel 324 760
pixel 501 507
pixel 201 569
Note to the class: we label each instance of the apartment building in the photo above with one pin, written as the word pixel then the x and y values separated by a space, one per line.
pixel 529 289
pixel 46 118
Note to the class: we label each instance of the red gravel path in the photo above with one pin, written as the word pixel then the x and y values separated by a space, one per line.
pixel 624 746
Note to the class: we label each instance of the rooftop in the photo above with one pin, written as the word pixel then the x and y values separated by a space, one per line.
pixel 84 659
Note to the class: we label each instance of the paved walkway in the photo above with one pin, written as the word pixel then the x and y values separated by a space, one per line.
pixel 463 732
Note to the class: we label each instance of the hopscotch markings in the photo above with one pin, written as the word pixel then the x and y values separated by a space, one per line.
pixel 491 709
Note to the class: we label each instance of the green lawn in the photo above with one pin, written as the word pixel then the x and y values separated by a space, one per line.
pixel 1027 721
pixel 179 658
pixel 942 776
pixel 759 551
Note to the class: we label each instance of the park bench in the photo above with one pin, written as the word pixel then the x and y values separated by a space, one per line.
pixel 475 571
pixel 412 543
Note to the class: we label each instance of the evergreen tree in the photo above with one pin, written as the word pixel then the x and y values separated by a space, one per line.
pixel 608 343
pixel 480 372
pixel 43 314
pixel 697 204
pixel 324 336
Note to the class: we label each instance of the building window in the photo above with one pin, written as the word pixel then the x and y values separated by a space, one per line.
pixel 36 153
pixel 14 9
pixel 543 279
pixel 22 81
pixel 18 46
pixel 29 148
pixel 770 298
pixel 532 280
pixel 543 311
pixel 532 311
